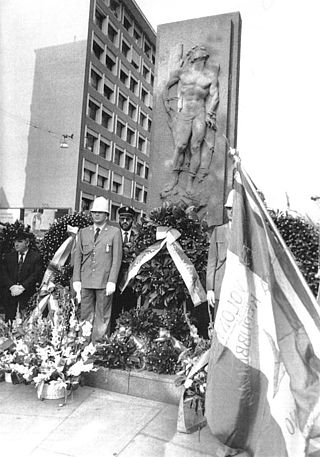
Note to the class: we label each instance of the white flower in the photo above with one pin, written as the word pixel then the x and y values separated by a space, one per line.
pixel 79 367
pixel 88 350
pixel 188 383
pixel 86 328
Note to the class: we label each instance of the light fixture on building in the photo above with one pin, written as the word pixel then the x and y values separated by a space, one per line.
pixel 63 141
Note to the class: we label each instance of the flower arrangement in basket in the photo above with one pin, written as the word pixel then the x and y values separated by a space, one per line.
pixel 65 355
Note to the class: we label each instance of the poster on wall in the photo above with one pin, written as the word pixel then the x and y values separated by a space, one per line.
pixel 9 215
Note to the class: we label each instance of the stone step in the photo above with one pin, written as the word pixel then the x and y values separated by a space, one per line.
pixel 144 384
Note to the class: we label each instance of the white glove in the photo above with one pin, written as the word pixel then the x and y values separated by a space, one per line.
pixel 77 288
pixel 211 298
pixel 110 288
pixel 16 290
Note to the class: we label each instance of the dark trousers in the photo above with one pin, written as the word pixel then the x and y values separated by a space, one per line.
pixel 121 303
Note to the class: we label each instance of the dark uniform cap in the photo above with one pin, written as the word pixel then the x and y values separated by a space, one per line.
pixel 21 235
pixel 126 211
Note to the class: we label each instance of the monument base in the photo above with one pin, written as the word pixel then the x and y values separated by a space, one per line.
pixel 144 384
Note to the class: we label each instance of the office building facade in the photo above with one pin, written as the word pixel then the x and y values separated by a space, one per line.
pixel 94 92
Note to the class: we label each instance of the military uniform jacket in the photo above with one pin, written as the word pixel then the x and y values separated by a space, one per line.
pixel 217 255
pixel 96 263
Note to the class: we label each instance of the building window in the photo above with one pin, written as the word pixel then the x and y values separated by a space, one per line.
pixel 147 49
pixel 111 62
pixel 145 196
pixel 138 193
pixel 95 79
pixel 117 184
pixel 91 142
pixel 115 8
pixel 144 96
pixel 137 36
pixel 139 167
pixel 93 110
pixel 102 182
pixel 108 91
pixel 127 186
pixel 114 212
pixel 88 176
pixel 124 77
pixel 125 49
pixel 127 24
pixel 142 144
pixel 135 59
pixel 152 79
pixel 97 50
pixel 121 130
pixel 118 157
pixel 113 34
pixel 128 164
pixel 143 120
pixel 132 111
pixel 146 172
pixel 99 19
pixel 134 85
pixel 131 136
pixel 146 73
pixel 106 120
pixel 122 102
pixel 149 125
pixel 105 150
pixel 86 203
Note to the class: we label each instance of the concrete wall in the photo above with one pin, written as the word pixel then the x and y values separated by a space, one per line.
pixel 56 102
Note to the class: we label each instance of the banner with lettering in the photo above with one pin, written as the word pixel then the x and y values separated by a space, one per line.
pixel 263 387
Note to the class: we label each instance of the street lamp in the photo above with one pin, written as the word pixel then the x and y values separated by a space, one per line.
pixel 63 141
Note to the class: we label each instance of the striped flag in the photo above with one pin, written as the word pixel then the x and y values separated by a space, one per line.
pixel 263 387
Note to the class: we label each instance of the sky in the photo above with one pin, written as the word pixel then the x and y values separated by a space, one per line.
pixel 279 93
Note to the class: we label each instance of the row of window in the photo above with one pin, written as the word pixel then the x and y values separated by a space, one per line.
pixel 115 66
pixel 98 113
pixel 108 58
pixel 102 21
pixel 117 155
pixel 103 85
pixel 98 176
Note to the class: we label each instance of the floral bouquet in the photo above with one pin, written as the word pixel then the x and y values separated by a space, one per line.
pixel 64 356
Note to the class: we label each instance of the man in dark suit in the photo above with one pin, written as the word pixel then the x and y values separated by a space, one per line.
pixel 97 262
pixel 217 255
pixel 128 299
pixel 21 272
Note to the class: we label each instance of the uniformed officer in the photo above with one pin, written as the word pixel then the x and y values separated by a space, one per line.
pixel 217 255
pixel 97 262
pixel 127 299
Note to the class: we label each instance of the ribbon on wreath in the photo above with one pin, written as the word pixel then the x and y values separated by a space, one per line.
pixel 57 262
pixel 168 236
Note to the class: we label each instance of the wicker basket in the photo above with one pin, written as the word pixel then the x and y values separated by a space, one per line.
pixel 50 392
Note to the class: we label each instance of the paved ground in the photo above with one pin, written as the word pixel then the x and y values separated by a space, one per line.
pixel 94 422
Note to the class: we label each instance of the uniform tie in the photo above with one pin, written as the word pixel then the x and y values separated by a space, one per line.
pixel 126 238
pixel 96 234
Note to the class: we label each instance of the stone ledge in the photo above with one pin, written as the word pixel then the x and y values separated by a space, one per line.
pixel 144 384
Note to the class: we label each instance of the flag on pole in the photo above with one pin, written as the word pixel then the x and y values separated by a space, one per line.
pixel 263 387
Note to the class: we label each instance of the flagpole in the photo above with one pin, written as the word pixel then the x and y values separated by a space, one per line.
pixel 237 160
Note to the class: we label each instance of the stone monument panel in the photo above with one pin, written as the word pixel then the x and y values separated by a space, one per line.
pixel 195 113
